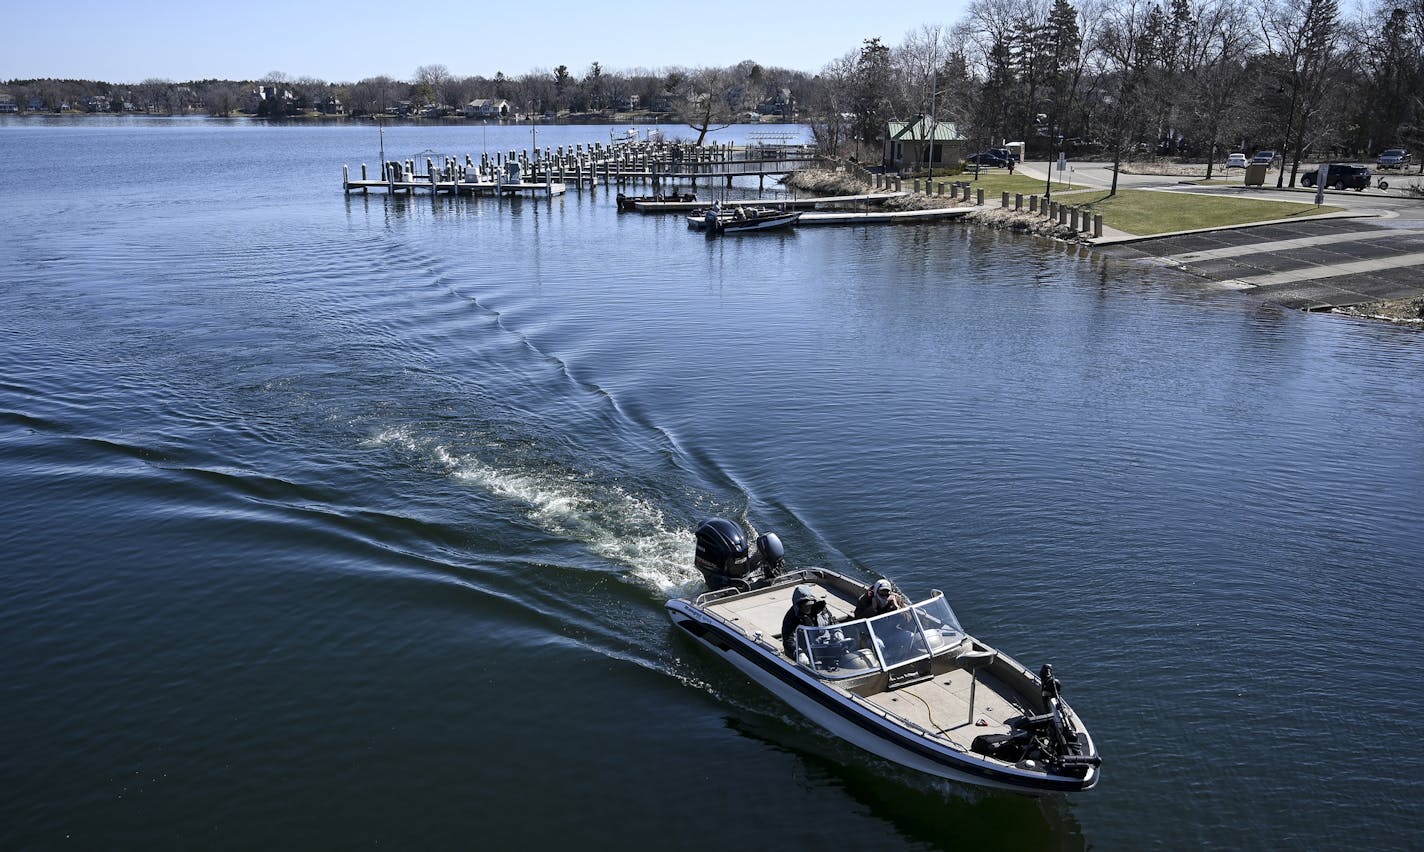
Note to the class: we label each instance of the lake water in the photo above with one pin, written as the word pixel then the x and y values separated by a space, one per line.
pixel 338 522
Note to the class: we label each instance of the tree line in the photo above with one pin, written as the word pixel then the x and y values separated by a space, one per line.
pixel 1178 78
pixel 1114 78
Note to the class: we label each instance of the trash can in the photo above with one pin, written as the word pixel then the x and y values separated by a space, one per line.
pixel 1255 174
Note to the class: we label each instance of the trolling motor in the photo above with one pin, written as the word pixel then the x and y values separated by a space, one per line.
pixel 723 557
pixel 1047 737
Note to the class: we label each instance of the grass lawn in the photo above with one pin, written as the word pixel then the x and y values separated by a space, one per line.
pixel 1144 212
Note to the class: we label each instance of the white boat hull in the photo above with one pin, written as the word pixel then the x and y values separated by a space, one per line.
pixel 862 723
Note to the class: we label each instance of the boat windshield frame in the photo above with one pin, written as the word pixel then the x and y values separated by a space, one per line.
pixel 888 641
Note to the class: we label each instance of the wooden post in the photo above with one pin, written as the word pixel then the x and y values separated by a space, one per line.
pixel 1004 201
pixel 1097 225
pixel 346 178
pixel 1033 204
pixel 979 198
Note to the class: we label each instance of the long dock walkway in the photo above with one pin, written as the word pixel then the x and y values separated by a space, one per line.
pixel 537 171
pixel 786 203
pixel 877 217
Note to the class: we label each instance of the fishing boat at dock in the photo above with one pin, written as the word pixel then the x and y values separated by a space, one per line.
pixel 908 685
pixel 741 219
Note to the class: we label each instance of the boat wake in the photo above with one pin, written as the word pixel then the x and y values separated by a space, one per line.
pixel 613 522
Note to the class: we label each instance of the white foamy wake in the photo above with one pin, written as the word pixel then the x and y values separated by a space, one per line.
pixel 613 523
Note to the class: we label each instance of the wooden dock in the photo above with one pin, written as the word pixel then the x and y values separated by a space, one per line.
pixel 882 216
pixel 786 203
pixel 539 171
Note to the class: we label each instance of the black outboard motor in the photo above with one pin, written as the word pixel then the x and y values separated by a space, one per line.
pixel 770 556
pixel 721 554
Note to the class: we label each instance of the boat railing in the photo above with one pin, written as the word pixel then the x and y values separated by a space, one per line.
pixel 791 578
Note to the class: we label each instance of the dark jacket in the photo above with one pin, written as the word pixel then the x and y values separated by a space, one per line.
pixel 813 616
pixel 867 606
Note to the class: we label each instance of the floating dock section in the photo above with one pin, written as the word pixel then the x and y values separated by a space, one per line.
pixel 890 217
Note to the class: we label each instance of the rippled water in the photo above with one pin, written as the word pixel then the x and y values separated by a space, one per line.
pixel 345 521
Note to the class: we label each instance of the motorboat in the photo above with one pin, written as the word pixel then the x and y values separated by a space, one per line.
pixel 741 219
pixel 628 203
pixel 762 220
pixel 908 685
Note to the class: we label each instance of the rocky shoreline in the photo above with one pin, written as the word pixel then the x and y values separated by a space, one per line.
pixel 830 183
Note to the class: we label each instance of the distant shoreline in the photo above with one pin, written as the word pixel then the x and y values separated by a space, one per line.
pixel 579 119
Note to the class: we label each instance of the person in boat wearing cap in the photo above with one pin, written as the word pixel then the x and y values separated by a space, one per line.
pixel 806 609
pixel 880 598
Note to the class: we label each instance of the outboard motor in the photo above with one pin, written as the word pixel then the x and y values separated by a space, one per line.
pixel 721 554
pixel 770 557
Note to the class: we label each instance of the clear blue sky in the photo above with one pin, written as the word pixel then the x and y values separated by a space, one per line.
pixel 345 41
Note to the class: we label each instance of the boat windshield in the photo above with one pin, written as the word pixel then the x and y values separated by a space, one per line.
pixel 883 642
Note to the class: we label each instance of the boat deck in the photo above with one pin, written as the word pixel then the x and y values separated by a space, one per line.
pixel 762 613
pixel 940 706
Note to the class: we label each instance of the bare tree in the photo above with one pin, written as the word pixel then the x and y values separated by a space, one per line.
pixel 220 99
pixel 1127 46
pixel 375 95
pixel 1304 42
pixel 702 104
pixel 833 125
pixel 1217 74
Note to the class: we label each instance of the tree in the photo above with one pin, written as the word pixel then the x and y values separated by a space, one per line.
pixel 1303 40
pixel 220 99
pixel 374 95
pixel 1392 78
pixel 1127 45
pixel 831 105
pixel 593 86
pixel 872 90
pixel 562 80
pixel 1217 74
pixel 702 107
pixel 1061 48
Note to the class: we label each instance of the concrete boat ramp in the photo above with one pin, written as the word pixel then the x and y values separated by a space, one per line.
pixel 1313 264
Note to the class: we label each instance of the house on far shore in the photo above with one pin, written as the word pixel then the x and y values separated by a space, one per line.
pixel 7 104
pixel 911 144
pixel 487 108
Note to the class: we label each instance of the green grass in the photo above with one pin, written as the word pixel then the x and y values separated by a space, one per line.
pixel 1144 212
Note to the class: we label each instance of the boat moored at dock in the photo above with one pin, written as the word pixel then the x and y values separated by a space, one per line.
pixel 741 219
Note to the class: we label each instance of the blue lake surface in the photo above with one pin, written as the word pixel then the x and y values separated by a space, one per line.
pixel 348 521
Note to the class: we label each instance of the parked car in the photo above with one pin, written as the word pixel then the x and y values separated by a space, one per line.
pixel 987 158
pixel 1341 176
pixel 1236 161
pixel 1394 158
pixel 1264 158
